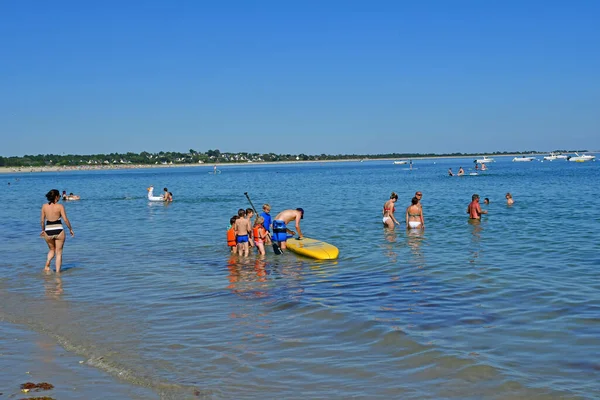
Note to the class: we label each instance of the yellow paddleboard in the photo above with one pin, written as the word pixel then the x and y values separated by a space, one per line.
pixel 313 248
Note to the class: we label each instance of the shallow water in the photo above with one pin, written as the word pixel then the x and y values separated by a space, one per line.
pixel 507 308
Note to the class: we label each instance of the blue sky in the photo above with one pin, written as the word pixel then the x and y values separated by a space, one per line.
pixel 335 77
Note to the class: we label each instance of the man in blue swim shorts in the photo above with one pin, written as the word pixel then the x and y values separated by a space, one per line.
pixel 280 222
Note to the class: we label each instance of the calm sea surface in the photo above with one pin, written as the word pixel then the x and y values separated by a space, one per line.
pixel 507 309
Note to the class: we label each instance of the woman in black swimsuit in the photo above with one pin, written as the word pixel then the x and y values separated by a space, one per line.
pixel 52 229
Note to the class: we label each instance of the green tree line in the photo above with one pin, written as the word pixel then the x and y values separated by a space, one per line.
pixel 210 156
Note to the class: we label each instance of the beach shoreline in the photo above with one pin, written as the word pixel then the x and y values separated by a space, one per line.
pixel 29 356
pixel 103 167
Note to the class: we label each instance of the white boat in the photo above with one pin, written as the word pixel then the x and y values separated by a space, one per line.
pixel 400 162
pixel 582 158
pixel 484 160
pixel 523 159
pixel 555 156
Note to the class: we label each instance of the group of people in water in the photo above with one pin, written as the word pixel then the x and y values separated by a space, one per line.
pixel 461 171
pixel 242 233
pixel 414 212
pixel 413 215
pixel 69 196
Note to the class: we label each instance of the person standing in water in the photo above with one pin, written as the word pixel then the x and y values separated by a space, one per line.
pixel 52 229
pixel 509 199
pixel 474 209
pixel 267 221
pixel 280 222
pixel 419 196
pixel 388 212
pixel 243 230
pixel 414 215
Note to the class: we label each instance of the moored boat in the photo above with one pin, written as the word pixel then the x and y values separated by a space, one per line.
pixel 485 159
pixel 523 159
pixel 582 158
pixel 401 162
pixel 555 156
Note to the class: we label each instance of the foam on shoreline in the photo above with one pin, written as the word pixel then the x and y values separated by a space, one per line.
pixel 27 356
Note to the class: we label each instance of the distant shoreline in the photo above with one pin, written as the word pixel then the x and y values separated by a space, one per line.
pixel 103 167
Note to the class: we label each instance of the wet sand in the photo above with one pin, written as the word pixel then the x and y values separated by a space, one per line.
pixel 27 356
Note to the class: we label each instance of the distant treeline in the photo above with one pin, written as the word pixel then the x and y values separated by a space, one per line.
pixel 210 157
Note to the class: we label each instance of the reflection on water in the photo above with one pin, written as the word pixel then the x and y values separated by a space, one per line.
pixel 390 236
pixel 414 240
pixel 247 277
pixel 53 286
pixel 475 246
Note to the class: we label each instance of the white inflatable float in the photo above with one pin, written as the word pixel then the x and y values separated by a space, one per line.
pixel 152 197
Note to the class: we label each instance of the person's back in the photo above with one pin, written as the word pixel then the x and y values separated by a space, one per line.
pixel 52 211
pixel 414 215
pixel 241 226
pixel 242 230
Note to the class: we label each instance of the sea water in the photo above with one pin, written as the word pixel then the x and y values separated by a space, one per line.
pixel 508 308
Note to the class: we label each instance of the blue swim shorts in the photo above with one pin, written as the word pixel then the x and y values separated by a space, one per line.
pixel 279 231
pixel 242 239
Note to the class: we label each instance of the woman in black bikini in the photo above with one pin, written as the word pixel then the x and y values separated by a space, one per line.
pixel 52 229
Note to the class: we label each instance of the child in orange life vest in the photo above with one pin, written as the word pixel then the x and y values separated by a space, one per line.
pixel 231 242
pixel 260 234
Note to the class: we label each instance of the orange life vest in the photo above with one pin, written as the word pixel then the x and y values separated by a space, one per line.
pixel 231 237
pixel 256 233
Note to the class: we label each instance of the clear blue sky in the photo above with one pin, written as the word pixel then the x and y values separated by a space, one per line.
pixel 336 77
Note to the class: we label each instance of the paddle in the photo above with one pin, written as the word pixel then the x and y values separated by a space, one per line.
pixel 276 248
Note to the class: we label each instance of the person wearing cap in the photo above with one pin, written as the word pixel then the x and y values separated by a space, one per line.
pixel 280 222
pixel 474 209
